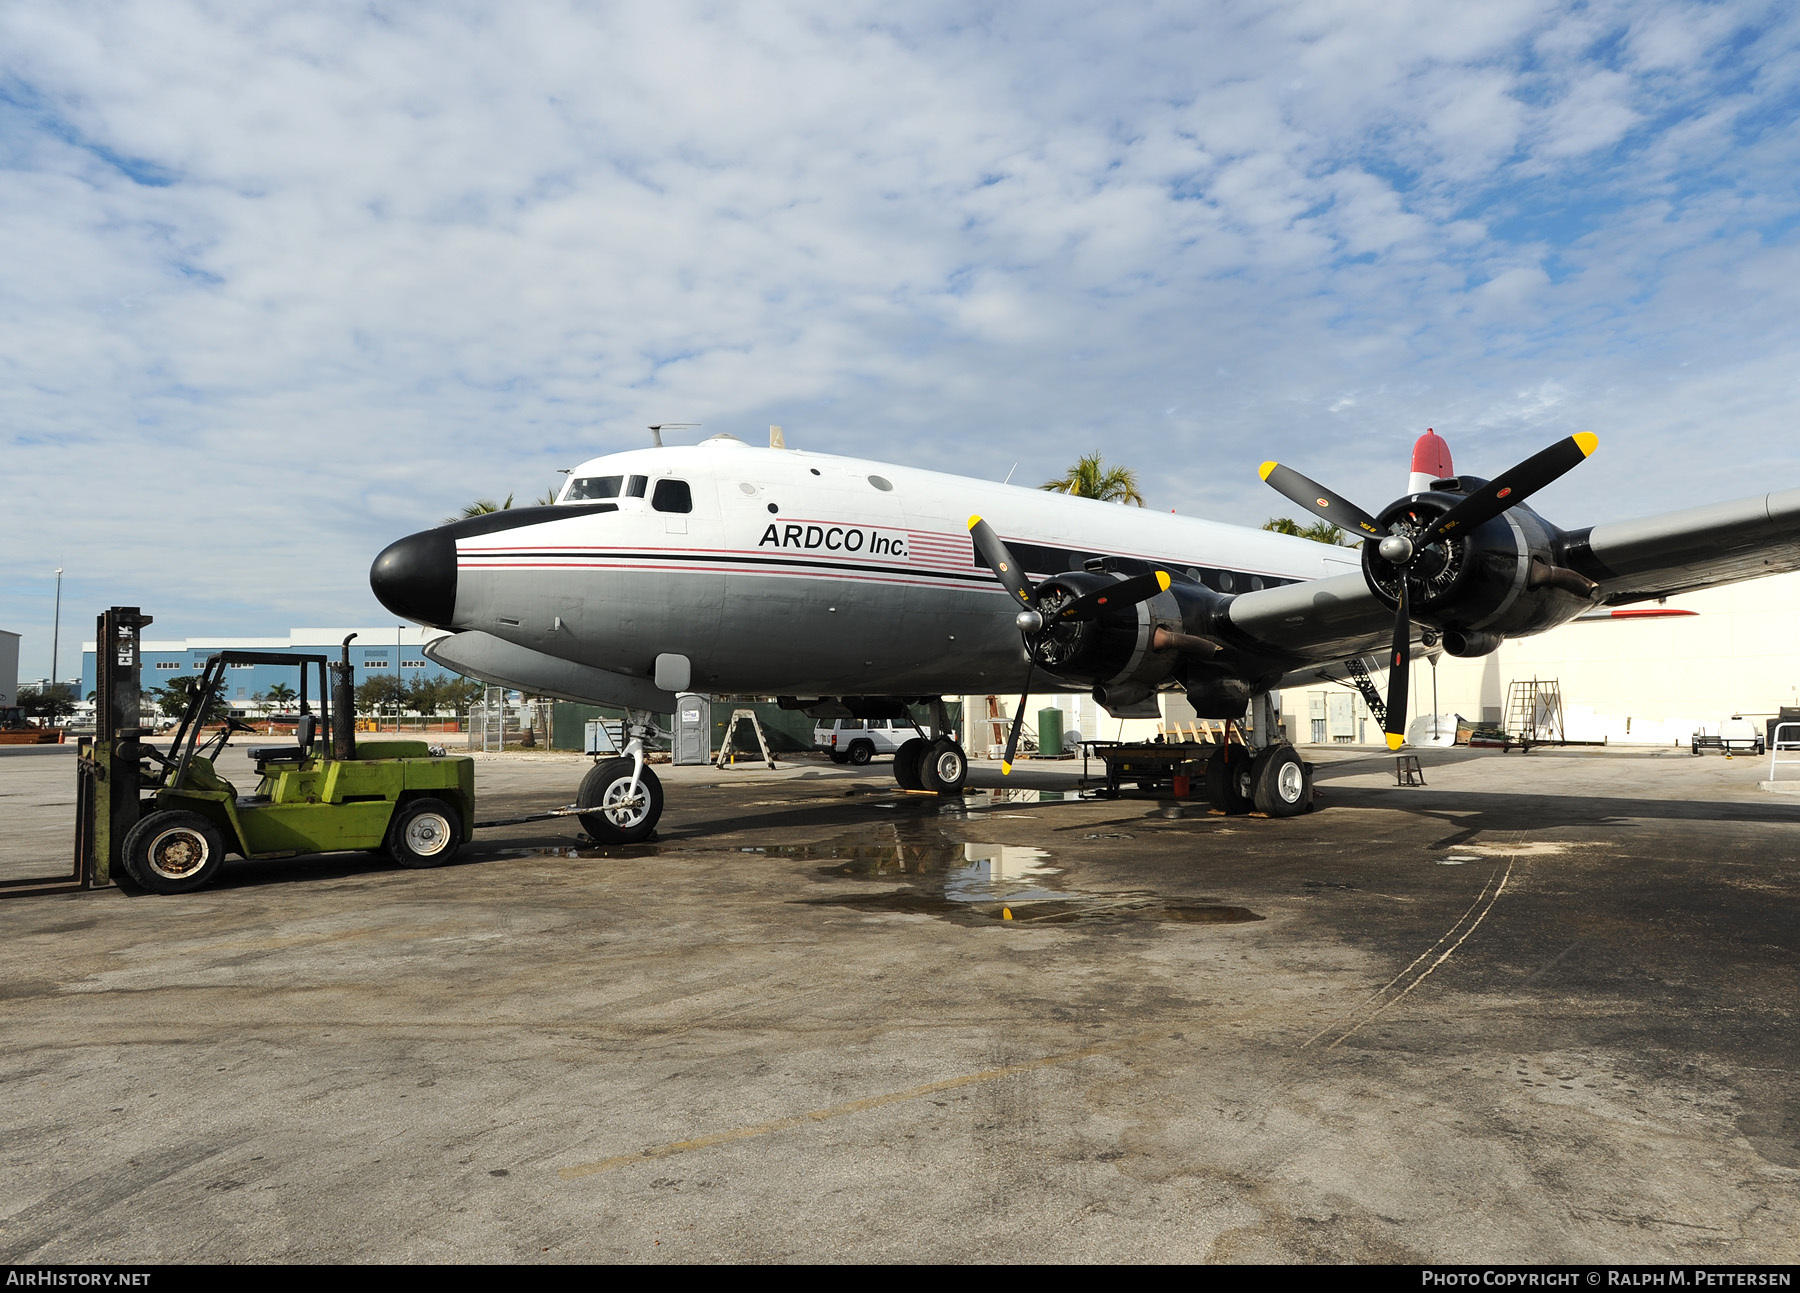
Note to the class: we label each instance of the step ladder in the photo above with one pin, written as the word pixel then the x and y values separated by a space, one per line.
pixel 730 743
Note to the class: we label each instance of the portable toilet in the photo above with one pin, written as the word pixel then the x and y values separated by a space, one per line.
pixel 693 729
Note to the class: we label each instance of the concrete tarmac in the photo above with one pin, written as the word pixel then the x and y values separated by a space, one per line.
pixel 1540 1010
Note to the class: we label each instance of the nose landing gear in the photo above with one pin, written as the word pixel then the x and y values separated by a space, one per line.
pixel 626 797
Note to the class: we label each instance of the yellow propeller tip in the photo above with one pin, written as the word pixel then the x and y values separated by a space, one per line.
pixel 1586 441
pixel 974 521
pixel 1266 468
pixel 1006 769
pixel 1162 580
pixel 1395 740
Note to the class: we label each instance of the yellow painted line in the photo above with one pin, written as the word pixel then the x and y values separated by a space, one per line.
pixel 751 1132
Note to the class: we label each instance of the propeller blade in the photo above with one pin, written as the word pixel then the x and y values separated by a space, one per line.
pixel 1512 487
pixel 1012 739
pixel 1005 566
pixel 1127 592
pixel 1320 501
pixel 1395 726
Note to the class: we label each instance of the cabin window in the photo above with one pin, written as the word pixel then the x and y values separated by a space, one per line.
pixel 881 483
pixel 583 488
pixel 636 488
pixel 672 496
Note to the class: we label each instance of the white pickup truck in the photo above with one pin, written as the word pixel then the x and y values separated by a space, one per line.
pixel 856 740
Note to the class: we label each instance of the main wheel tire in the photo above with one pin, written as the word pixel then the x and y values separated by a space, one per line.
pixel 1283 788
pixel 906 763
pixel 618 818
pixel 944 768
pixel 861 752
pixel 1228 785
pixel 173 852
pixel 424 833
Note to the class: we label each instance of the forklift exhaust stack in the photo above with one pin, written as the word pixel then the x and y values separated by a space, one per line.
pixel 343 706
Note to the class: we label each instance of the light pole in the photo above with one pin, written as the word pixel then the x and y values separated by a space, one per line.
pixel 56 629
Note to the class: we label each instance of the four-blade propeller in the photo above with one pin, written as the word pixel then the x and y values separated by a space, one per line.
pixel 1032 622
pixel 1405 551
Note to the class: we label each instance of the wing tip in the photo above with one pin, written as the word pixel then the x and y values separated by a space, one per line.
pixel 1586 441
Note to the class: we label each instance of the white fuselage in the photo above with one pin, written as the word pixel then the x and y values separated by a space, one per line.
pixel 799 573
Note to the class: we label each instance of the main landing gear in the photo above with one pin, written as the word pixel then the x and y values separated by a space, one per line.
pixel 1273 780
pixel 937 764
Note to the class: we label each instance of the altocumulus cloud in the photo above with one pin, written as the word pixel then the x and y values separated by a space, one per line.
pixel 285 281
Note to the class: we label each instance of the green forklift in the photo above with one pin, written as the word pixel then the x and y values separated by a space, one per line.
pixel 325 793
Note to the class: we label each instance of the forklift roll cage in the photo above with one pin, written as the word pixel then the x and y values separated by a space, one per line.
pixel 211 687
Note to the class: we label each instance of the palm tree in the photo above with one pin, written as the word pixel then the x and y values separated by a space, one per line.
pixel 1318 531
pixel 480 507
pixel 1088 478
pixel 279 694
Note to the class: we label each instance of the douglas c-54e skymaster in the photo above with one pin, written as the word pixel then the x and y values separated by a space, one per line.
pixel 851 588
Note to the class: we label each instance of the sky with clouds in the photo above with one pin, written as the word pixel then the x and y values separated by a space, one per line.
pixel 284 282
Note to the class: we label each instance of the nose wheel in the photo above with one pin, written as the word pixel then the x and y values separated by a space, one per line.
pixel 621 813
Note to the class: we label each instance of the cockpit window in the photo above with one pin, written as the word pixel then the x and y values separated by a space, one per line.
pixel 636 488
pixel 672 496
pixel 583 488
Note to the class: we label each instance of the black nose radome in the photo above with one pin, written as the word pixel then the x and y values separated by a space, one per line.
pixel 415 578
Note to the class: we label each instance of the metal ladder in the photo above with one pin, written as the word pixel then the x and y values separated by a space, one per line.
pixel 1534 710
pixel 1371 697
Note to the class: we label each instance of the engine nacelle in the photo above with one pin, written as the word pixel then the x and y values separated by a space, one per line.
pixel 1468 645
pixel 1127 655
pixel 1502 579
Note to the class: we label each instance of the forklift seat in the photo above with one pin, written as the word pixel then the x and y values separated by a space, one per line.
pixel 303 739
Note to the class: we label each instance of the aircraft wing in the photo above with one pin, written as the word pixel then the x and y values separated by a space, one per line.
pixel 1337 618
pixel 1658 556
pixel 1316 621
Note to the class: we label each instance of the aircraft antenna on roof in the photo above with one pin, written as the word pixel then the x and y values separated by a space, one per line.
pixel 658 428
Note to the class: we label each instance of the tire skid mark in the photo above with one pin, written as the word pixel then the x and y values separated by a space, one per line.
pixel 1385 998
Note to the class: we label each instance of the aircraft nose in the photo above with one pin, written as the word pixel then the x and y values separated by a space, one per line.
pixel 415 578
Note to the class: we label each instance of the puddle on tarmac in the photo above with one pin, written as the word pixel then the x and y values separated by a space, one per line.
pixel 977 883
pixel 973 802
pixel 586 851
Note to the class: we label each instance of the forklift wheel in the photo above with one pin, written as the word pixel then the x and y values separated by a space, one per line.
pixel 425 832
pixel 618 818
pixel 173 852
